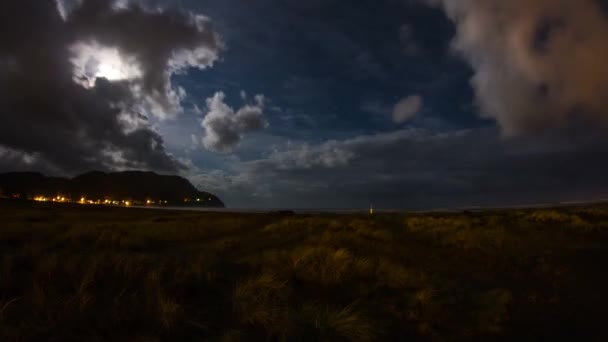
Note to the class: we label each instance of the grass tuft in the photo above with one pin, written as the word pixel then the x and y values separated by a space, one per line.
pixel 261 301
pixel 330 324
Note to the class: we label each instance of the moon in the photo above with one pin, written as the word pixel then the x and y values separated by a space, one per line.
pixel 110 72
pixel 92 61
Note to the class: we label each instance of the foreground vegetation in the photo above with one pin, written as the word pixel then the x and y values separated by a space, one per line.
pixel 96 273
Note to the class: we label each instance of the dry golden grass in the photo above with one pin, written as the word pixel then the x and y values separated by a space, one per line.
pixel 262 301
pixel 88 273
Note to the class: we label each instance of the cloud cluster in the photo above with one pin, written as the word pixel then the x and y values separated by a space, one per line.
pixel 539 65
pixel 453 169
pixel 224 127
pixel 162 43
pixel 406 109
pixel 79 79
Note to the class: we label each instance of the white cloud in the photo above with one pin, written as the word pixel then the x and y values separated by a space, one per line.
pixel 64 7
pixel 200 58
pixel 331 154
pixel 406 109
pixel 224 127
pixel 539 65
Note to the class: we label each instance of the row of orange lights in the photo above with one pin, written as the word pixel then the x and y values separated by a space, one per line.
pixel 83 200
pixel 53 199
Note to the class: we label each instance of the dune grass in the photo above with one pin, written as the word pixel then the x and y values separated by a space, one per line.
pixel 72 273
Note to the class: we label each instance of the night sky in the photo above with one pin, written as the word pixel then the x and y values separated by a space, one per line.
pixel 320 103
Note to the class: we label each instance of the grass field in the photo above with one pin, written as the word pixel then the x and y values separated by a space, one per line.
pixel 75 273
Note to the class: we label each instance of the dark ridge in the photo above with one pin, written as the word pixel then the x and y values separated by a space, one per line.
pixel 136 186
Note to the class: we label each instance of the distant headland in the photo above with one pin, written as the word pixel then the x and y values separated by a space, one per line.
pixel 116 188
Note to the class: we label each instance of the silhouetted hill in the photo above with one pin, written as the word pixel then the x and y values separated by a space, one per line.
pixel 130 185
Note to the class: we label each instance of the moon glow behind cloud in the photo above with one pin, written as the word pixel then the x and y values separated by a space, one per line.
pixel 92 61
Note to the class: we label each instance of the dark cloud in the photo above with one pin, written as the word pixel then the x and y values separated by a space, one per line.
pixel 417 168
pixel 538 65
pixel 56 124
pixel 162 42
pixel 410 46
